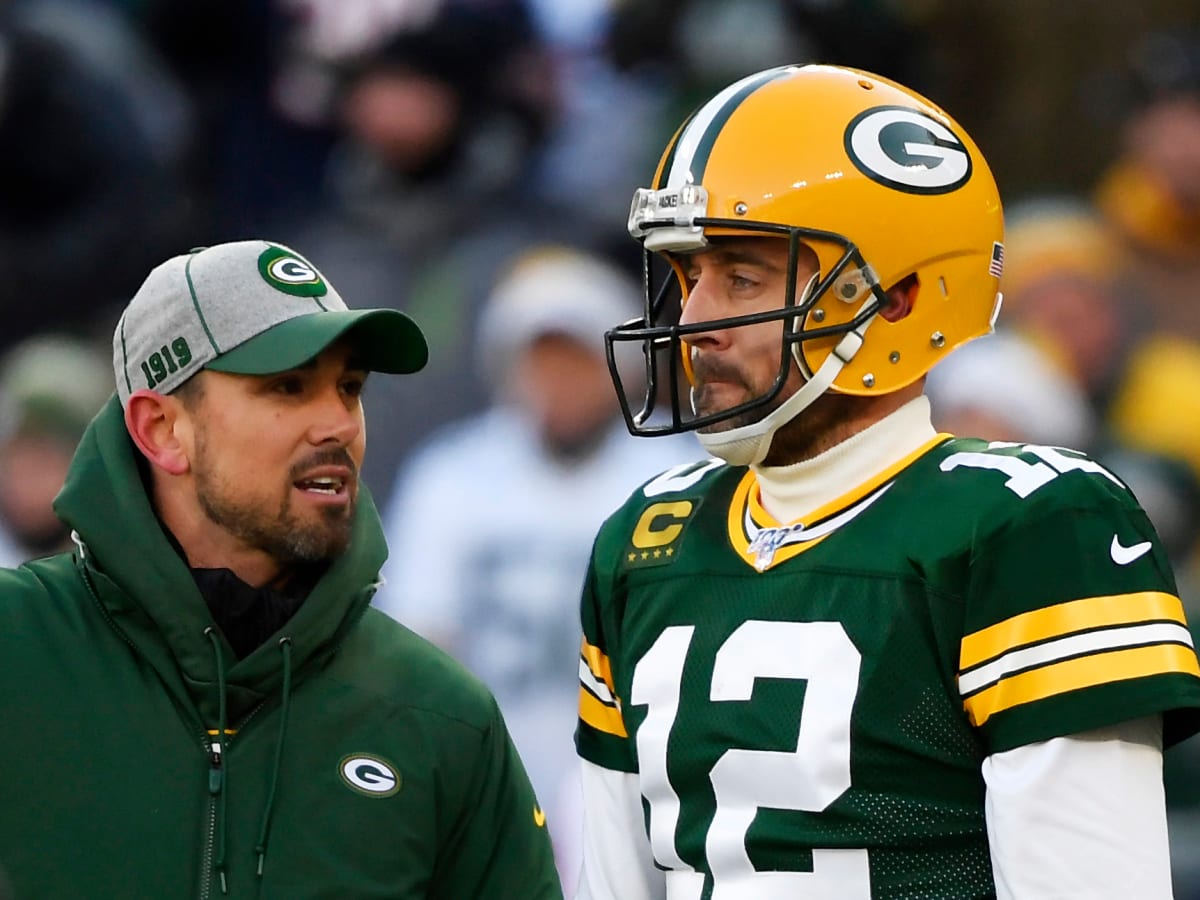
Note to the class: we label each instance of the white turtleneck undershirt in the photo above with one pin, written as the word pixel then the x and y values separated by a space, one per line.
pixel 791 492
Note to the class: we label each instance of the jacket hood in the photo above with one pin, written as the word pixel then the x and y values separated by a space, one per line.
pixel 147 590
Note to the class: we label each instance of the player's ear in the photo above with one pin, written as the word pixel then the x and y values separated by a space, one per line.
pixel 158 425
pixel 902 296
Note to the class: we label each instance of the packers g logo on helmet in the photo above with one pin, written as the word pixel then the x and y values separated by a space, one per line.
pixel 908 150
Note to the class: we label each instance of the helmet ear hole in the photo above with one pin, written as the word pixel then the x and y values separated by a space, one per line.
pixel 902 297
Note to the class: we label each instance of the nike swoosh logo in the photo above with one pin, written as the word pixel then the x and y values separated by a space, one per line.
pixel 1123 555
pixel 539 817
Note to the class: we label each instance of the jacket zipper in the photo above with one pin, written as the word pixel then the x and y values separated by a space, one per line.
pixel 209 849
pixel 215 751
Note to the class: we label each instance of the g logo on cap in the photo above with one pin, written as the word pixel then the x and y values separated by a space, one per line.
pixel 289 273
pixel 293 271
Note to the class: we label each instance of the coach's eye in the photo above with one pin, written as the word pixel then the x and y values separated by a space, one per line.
pixel 288 384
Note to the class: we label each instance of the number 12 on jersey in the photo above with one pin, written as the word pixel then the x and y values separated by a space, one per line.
pixel 810 778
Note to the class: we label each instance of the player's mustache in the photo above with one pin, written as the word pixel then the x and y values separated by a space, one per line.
pixel 706 368
pixel 330 456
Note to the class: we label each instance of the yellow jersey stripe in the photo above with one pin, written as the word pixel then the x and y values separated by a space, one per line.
pixel 1078 673
pixel 594 684
pixel 599 716
pixel 1066 618
pixel 1082 643
pixel 598 663
pixel 737 505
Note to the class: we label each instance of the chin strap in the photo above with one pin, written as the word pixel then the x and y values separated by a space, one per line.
pixel 748 445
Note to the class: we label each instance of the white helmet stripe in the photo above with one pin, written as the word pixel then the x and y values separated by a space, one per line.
pixel 690 155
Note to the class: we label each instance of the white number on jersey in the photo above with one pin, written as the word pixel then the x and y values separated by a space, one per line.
pixel 809 778
pixel 680 477
pixel 1026 477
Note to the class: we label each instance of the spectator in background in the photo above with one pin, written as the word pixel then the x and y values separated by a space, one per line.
pixel 686 50
pixel 1150 199
pixel 1001 387
pixel 1061 292
pixel 1046 376
pixel 492 519
pixel 257 141
pixel 1156 406
pixel 89 196
pixel 1151 192
pixel 50 387
pixel 431 186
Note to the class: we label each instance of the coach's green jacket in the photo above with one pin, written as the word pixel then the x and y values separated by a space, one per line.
pixel 357 761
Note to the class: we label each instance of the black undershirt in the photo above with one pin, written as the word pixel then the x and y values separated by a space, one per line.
pixel 247 615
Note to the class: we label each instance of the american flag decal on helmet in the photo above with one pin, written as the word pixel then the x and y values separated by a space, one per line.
pixel 996 266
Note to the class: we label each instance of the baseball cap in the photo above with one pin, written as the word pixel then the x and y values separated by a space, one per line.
pixel 52 384
pixel 247 308
pixel 553 289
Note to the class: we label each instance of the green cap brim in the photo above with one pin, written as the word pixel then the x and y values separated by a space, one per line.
pixel 386 339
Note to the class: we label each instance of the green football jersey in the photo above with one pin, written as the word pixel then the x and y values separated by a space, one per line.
pixel 807 705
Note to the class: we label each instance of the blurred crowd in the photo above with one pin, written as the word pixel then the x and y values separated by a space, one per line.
pixel 472 162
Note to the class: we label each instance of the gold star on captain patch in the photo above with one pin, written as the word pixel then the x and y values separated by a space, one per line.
pixel 657 554
pixel 645 554
pixel 632 557
pixel 670 551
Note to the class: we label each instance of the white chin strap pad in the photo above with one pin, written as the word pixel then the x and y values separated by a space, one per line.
pixel 748 445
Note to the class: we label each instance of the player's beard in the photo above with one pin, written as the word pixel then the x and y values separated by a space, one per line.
pixel 705 371
pixel 285 536
pixel 825 423
pixel 821 425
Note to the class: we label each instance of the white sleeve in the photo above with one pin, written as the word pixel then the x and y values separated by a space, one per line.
pixel 1082 816
pixel 617 864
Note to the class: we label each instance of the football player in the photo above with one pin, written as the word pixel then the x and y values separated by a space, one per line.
pixel 849 657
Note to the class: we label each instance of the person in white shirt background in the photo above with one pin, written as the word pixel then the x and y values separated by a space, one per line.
pixel 492 518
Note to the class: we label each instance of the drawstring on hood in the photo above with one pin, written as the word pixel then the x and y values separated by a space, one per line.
pixel 218 772
pixel 285 647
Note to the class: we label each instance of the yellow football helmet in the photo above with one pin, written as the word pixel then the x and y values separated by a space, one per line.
pixel 878 181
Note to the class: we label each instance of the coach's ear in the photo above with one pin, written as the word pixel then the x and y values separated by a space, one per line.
pixel 161 429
